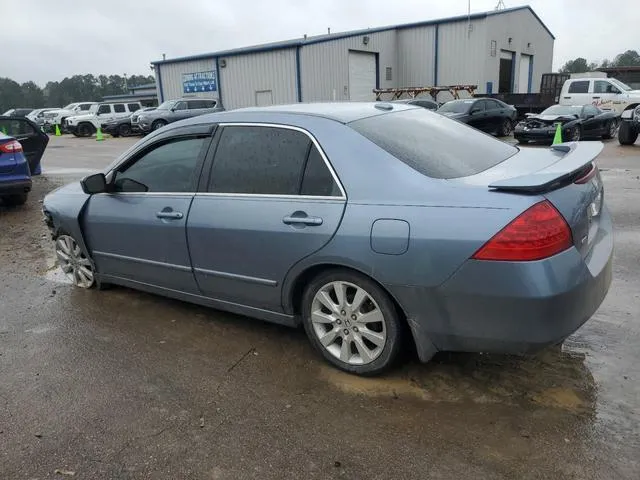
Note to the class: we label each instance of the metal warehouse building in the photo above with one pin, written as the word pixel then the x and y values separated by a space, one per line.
pixel 500 51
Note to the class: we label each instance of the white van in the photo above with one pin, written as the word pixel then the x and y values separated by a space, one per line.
pixel 604 93
pixel 87 124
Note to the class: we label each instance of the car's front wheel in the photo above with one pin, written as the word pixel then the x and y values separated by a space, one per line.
pixel 574 135
pixel 611 129
pixel 74 262
pixel 352 322
pixel 85 130
pixel 158 124
pixel 124 130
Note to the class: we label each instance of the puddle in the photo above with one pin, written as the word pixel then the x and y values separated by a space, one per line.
pixel 41 329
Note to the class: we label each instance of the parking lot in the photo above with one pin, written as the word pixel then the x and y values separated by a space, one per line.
pixel 118 384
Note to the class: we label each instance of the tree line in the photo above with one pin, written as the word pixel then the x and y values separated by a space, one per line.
pixel 630 58
pixel 78 88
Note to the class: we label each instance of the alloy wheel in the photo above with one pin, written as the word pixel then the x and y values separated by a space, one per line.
pixel 73 262
pixel 348 323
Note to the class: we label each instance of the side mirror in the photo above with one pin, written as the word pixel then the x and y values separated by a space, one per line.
pixel 96 183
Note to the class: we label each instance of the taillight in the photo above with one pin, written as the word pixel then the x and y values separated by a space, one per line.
pixel 539 232
pixel 586 174
pixel 10 147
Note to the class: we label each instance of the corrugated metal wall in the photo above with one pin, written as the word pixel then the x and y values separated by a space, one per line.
pixel 416 52
pixel 325 66
pixel 171 77
pixel 528 36
pixel 244 75
pixel 461 54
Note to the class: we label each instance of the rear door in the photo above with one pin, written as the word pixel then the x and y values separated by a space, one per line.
pixel 578 93
pixel 33 141
pixel 271 200
pixel 120 111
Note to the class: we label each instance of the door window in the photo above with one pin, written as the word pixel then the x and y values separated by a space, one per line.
pixel 133 107
pixel 85 106
pixel 16 127
pixel 317 179
pixel 494 105
pixel 479 106
pixel 102 109
pixel 169 167
pixel 180 106
pixel 195 104
pixel 602 86
pixel 119 108
pixel 259 160
pixel 579 87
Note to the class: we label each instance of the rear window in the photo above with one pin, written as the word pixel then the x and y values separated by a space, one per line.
pixel 433 144
pixel 579 87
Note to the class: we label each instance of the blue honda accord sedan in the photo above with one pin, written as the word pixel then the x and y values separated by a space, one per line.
pixel 374 225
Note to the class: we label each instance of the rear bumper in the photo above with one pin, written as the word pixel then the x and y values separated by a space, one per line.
pixel 511 307
pixel 15 187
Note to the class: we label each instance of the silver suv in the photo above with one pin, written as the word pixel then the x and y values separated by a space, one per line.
pixel 174 110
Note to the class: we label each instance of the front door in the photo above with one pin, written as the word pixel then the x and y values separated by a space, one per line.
pixel 591 124
pixel 478 115
pixel 138 232
pixel 272 200
pixel 604 94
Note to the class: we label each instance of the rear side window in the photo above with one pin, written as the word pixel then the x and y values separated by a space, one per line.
pixel 119 108
pixel 579 87
pixel 433 144
pixel 209 104
pixel 317 179
pixel 259 160
pixel 195 104
pixel 14 127
pixel 133 107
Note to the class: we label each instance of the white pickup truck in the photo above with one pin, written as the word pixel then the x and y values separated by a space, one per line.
pixel 607 94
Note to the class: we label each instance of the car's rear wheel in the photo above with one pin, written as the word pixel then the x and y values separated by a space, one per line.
pixel 352 322
pixel 85 130
pixel 124 130
pixel 628 133
pixel 611 129
pixel 74 262
pixel 158 124
pixel 506 128
pixel 17 199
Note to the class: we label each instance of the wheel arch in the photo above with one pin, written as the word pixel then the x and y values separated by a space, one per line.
pixel 631 106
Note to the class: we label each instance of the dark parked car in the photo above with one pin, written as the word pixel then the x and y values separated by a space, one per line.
pixel 419 102
pixel 21 147
pixel 577 122
pixel 123 127
pixel 17 112
pixel 370 224
pixel 486 114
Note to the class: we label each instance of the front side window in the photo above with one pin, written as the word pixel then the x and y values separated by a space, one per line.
pixel 590 110
pixel 86 106
pixel 170 167
pixel 180 106
pixel 259 160
pixel 602 86
pixel 119 108
pixel 104 109
pixel 579 87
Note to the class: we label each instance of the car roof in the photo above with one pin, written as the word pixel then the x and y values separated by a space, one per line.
pixel 343 112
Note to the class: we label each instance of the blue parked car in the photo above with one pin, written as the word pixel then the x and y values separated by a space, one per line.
pixel 22 144
pixel 371 224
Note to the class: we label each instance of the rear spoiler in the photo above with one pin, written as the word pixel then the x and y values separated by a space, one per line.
pixel 572 158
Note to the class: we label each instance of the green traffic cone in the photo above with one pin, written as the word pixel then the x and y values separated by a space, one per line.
pixel 99 136
pixel 4 130
pixel 558 137
pixel 58 134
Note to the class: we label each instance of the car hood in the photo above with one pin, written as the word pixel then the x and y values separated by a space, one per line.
pixel 542 120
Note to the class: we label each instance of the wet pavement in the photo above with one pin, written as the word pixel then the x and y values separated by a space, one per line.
pixel 118 384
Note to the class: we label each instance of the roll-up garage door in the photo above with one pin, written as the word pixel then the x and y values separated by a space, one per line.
pixel 362 76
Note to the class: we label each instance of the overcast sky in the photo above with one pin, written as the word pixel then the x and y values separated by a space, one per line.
pixel 49 40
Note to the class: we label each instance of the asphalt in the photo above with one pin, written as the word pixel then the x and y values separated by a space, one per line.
pixel 118 384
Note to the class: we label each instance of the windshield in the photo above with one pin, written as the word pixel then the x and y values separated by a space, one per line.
pixel 166 105
pixel 620 85
pixel 563 110
pixel 71 106
pixel 432 144
pixel 456 106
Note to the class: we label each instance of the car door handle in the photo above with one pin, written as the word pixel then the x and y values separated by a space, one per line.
pixel 302 220
pixel 567 98
pixel 596 97
pixel 170 215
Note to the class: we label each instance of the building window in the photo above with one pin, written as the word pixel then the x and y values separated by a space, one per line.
pixel 494 48
pixel 389 74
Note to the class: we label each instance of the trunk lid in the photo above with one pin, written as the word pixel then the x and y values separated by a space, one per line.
pixel 562 175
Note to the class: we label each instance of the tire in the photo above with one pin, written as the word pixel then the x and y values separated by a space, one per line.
pixel 85 130
pixel 74 262
pixel 124 130
pixel 15 200
pixel 342 329
pixel 574 134
pixel 158 124
pixel 627 133
pixel 506 128
pixel 521 140
pixel 612 128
